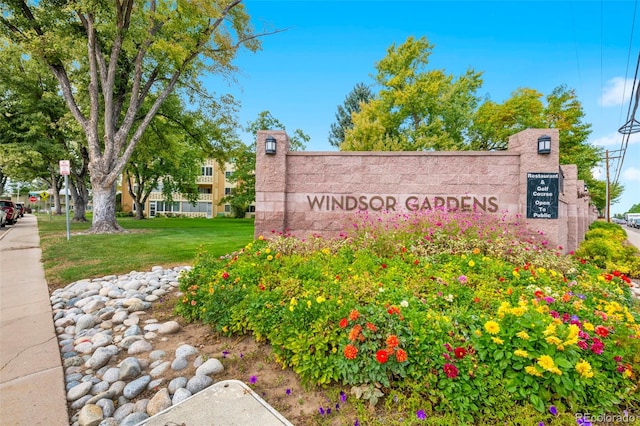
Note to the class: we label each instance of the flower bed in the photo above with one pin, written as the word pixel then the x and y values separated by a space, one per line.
pixel 468 314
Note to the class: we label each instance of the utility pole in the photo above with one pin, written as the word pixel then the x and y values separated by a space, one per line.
pixel 608 197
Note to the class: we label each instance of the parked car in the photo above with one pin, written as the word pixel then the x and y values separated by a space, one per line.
pixel 20 207
pixel 3 218
pixel 11 210
pixel 635 222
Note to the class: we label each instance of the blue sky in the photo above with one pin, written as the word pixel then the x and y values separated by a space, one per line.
pixel 302 74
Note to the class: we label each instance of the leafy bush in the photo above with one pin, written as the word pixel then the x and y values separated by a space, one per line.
pixel 469 314
pixel 606 246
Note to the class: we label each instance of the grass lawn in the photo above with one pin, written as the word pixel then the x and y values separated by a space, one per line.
pixel 149 242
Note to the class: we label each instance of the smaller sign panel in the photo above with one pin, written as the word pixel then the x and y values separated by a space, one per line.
pixel 33 199
pixel 65 167
pixel 542 195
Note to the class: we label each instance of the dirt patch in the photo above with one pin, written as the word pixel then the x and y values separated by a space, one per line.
pixel 253 363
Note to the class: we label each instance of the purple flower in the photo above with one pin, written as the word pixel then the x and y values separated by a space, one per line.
pixel 343 396
pixel 582 296
pixel 224 354
pixel 253 379
pixel 462 279
pixel 337 407
pixel 288 391
pixel 420 414
pixel 583 422
pixel 541 424
pixel 356 423
pixel 553 410
pixel 328 411
pixel 321 410
pixel 549 300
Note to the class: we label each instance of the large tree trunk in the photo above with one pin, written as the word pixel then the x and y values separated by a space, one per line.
pixel 80 196
pixel 104 209
pixel 139 210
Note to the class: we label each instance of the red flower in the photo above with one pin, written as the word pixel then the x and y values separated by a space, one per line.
pixel 225 275
pixel 353 315
pixel 384 265
pixel 372 327
pixel 616 273
pixel 392 341
pixel 602 331
pixel 382 356
pixel 450 370
pixel 401 355
pixel 539 294
pixel 416 262
pixel 393 310
pixel 460 352
pixel 343 323
pixel 476 300
pixel 350 352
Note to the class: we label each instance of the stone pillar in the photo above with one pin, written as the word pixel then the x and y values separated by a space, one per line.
pixel 571 196
pixel 526 143
pixel 271 173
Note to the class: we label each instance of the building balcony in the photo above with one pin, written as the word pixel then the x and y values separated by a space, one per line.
pixel 158 196
pixel 204 179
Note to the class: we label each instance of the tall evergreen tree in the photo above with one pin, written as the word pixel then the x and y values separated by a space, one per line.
pixel 359 95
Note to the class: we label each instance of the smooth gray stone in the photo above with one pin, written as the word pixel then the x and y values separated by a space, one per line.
pixel 102 395
pixel 160 369
pixel 79 391
pixel 197 383
pixel 72 384
pixel 157 354
pixel 141 346
pixel 141 406
pixel 80 402
pixel 123 411
pixel 133 330
pixel 155 383
pixel 129 340
pixel 107 407
pixel 109 421
pixel 85 321
pixel 99 387
pixel 134 418
pixel 184 351
pixel 111 375
pixel 136 387
pixel 169 327
pixel 211 366
pixel 179 364
pixel 99 358
pixel 177 383
pixel 180 395
pixel 130 368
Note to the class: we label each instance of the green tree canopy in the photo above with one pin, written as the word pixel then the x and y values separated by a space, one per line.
pixel 416 109
pixel 111 57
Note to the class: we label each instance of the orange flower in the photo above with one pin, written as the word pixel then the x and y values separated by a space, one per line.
pixel 350 352
pixel 392 341
pixel 355 332
pixel 401 355
pixel 344 323
pixel 353 315
pixel 372 327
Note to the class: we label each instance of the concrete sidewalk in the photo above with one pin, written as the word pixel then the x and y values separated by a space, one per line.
pixel 32 388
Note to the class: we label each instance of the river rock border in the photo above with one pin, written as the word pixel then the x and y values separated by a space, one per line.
pixel 113 375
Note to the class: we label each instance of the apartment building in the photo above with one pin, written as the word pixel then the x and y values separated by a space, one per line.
pixel 213 185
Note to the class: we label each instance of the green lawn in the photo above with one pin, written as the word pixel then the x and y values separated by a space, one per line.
pixel 149 242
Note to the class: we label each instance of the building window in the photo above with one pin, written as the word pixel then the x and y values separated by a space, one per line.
pixel 227 174
pixel 207 171
pixel 251 209
pixel 204 190
pixel 165 206
pixel 227 208
pixel 228 191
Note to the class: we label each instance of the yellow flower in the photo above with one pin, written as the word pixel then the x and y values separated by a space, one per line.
pixel 555 370
pixel 588 326
pixel 261 238
pixel 291 308
pixel 267 250
pixel 551 329
pixel 522 353
pixel 308 303
pixel 472 263
pixel 584 369
pixel 320 299
pixel 497 340
pixel 523 335
pixel 553 340
pixel 515 273
pixel 530 369
pixel 546 362
pixel 541 270
pixel 492 327
pixel 476 250
pixel 519 311
pixel 269 258
pixel 478 333
pixel 503 309
pixel 326 251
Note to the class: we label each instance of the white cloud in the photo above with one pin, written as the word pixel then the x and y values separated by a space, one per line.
pixel 616 92
pixel 615 139
pixel 631 174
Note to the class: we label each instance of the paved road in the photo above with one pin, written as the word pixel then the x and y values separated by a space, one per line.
pixel 633 235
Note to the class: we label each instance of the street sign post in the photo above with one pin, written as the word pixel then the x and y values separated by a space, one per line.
pixel 33 199
pixel 65 169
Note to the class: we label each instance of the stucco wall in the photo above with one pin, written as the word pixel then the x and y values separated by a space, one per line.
pixel 306 193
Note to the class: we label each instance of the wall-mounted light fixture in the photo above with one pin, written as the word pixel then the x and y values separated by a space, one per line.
pixel 270 145
pixel 544 144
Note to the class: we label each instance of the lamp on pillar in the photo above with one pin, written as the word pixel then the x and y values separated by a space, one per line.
pixel 270 145
pixel 544 144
